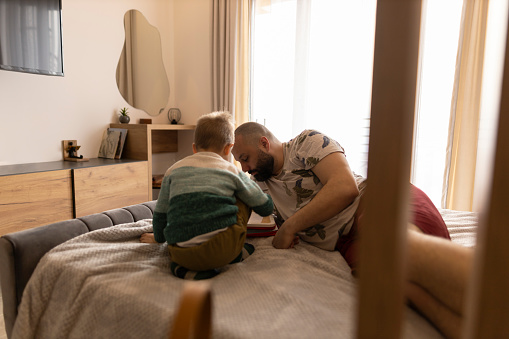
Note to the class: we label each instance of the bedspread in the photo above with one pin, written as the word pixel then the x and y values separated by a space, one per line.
pixel 106 284
pixel 462 226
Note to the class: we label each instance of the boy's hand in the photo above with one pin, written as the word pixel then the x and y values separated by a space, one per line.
pixel 148 238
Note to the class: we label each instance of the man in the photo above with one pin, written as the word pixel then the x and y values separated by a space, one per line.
pixel 314 190
pixel 319 198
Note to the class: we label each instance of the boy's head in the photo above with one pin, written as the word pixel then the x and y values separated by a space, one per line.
pixel 214 133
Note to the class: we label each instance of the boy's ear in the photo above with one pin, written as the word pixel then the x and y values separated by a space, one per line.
pixel 194 148
pixel 227 149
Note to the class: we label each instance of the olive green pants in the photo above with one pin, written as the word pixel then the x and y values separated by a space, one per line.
pixel 217 251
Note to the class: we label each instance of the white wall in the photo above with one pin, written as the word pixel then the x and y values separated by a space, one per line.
pixel 38 112
pixel 192 23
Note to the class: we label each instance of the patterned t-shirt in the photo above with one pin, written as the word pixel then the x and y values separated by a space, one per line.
pixel 296 185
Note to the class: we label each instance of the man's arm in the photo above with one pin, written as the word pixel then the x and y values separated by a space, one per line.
pixel 339 190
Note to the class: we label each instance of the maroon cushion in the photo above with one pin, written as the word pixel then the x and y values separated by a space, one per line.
pixel 423 214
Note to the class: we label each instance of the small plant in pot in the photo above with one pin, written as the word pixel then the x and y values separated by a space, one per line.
pixel 124 116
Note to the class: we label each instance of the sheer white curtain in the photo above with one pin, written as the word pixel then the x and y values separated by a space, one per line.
pixel 230 57
pixel 493 70
pixel 313 61
pixel 312 68
pixel 440 29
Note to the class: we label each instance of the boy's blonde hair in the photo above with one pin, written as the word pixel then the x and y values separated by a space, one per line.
pixel 214 131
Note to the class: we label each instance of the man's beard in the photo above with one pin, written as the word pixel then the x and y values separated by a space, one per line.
pixel 264 166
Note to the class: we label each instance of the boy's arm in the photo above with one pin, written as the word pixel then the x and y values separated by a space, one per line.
pixel 252 195
pixel 160 213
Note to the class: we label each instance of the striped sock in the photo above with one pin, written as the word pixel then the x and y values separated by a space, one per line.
pixel 247 250
pixel 184 273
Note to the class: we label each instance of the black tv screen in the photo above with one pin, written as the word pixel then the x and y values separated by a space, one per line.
pixel 31 36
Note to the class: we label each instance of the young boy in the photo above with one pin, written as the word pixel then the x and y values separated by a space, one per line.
pixel 201 211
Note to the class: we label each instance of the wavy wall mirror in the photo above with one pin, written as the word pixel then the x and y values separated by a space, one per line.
pixel 141 77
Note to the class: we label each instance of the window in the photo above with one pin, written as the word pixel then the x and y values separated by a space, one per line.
pixel 312 68
pixel 311 72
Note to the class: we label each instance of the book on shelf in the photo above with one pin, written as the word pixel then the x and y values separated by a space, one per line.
pixel 121 141
pixel 112 143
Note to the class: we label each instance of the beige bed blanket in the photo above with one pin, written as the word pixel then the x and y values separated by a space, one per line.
pixel 462 226
pixel 105 284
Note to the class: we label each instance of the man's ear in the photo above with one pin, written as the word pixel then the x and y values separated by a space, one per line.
pixel 227 149
pixel 194 148
pixel 265 143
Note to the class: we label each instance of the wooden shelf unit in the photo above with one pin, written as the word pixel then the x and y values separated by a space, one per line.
pixel 143 140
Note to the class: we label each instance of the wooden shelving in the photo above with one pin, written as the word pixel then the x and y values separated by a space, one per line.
pixel 143 140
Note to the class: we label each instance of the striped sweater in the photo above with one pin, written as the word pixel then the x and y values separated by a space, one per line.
pixel 198 196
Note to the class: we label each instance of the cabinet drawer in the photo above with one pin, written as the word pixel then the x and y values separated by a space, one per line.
pixel 34 199
pixel 97 189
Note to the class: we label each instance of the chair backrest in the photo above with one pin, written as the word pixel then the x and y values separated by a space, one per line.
pixel 193 316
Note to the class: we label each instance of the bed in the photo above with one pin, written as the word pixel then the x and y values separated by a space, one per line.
pixel 111 285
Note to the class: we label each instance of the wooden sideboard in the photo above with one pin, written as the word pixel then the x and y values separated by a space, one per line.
pixel 143 140
pixel 37 194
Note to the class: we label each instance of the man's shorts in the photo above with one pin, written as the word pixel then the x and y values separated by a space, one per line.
pixel 423 213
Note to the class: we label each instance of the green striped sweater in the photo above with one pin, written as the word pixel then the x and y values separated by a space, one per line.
pixel 198 196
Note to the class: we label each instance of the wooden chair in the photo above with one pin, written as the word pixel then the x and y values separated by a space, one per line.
pixel 392 110
pixel 193 317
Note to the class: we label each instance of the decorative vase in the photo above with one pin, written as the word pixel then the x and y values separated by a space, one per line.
pixel 124 119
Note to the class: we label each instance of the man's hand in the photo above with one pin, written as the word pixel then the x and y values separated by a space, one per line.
pixel 285 238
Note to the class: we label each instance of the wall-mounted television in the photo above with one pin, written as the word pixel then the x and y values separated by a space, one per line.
pixel 31 36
